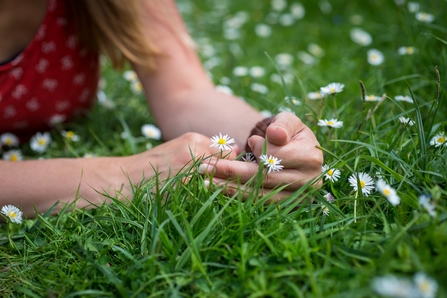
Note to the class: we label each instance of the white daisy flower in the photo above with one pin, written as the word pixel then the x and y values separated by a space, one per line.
pixel 232 33
pixel 315 50
pixel 284 59
pixel 297 10
pixel 306 58
pixel 329 197
pixel 330 174
pixel 286 20
pixel 9 139
pixel 372 98
pixel 314 95
pixel 439 140
pixel 240 71
pixel 272 163
pixel 225 80
pixel 331 123
pixel 257 71
pixel 70 135
pixel 224 89
pixel 136 87
pixel 364 180
pixel 406 50
pixel 425 17
pixel 425 201
pixel 279 5
pixel 406 121
pixel 426 286
pixel 249 157
pixel 259 88
pixel 150 131
pixel 375 57
pixel 13 155
pixel 361 37
pixel 332 88
pixel 326 210
pixel 13 213
pixel 288 78
pixel 130 75
pixel 413 7
pixel 104 100
pixel 222 142
pixel 266 113
pixel 392 286
pixel 388 192
pixel 89 155
pixel 263 30
pixel 405 98
pixel 40 141
pixel 292 100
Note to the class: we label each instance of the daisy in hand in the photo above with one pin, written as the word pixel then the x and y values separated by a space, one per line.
pixel 272 163
pixel 222 142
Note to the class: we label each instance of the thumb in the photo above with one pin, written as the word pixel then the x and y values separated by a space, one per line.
pixel 282 128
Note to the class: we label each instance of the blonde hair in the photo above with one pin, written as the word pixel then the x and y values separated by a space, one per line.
pixel 115 28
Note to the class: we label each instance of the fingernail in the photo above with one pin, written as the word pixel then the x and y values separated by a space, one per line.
pixel 206 169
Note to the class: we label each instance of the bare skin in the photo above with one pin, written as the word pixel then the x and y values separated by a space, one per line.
pixel 186 107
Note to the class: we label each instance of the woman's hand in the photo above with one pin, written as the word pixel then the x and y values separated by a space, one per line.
pixel 288 139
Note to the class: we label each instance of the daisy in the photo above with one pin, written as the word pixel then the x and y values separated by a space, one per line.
pixel 224 89
pixel 427 287
pixel 297 10
pixel 329 197
pixel 222 142
pixel 263 30
pixel 9 139
pixel 240 71
pixel 439 140
pixel 57 119
pixel 360 37
pixel 388 192
pixel 406 50
pixel 249 157
pixel 130 75
pixel 273 164
pixel 425 201
pixel 331 174
pixel 315 50
pixel 332 88
pixel 70 135
pixel 278 5
pixel 425 17
pixel 375 57
pixel 314 95
pixel 392 286
pixel 40 141
pixel 364 180
pixel 372 98
pixel 266 113
pixel 284 59
pixel 13 213
pixel 331 123
pixel 13 155
pixel 151 132
pixel 306 58
pixel 406 121
pixel 257 71
pixel 293 100
pixel 259 88
pixel 325 209
pixel 405 98
pixel 104 100
pixel 286 20
pixel 136 87
pixel 413 7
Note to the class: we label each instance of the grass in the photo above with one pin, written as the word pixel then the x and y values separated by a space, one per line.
pixel 187 240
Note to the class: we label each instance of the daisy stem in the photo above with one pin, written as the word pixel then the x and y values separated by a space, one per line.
pixel 355 206
pixel 335 106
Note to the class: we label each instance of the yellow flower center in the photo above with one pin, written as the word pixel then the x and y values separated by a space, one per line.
pixel 424 286
pixel 441 139
pixel 362 183
pixel 41 142
pixel 12 214
pixel 221 141
pixel 14 157
pixel 332 90
pixel 8 142
pixel 409 50
pixel 371 97
pixel 374 56
pixel 330 123
pixel 69 134
pixel 386 191
pixel 330 172
pixel 271 161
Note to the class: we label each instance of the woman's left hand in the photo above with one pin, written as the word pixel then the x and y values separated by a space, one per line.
pixel 290 140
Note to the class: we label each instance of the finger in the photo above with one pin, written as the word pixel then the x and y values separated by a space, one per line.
pixel 283 127
pixel 242 172
pixel 233 189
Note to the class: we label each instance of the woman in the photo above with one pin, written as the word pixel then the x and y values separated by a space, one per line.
pixel 49 70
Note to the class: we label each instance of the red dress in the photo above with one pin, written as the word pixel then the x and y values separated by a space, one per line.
pixel 52 80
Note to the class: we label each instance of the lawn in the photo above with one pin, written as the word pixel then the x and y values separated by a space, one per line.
pixel 376 228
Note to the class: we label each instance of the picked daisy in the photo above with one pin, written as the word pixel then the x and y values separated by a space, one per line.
pixel 272 163
pixel 249 157
pixel 9 139
pixel 405 98
pixel 330 174
pixel 426 286
pixel 439 140
pixel 13 155
pixel 332 88
pixel 375 57
pixel 388 192
pixel 223 142
pixel 150 131
pixel 70 135
pixel 425 201
pixel 406 121
pixel 13 213
pixel 363 180
pixel 40 141
pixel 331 123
